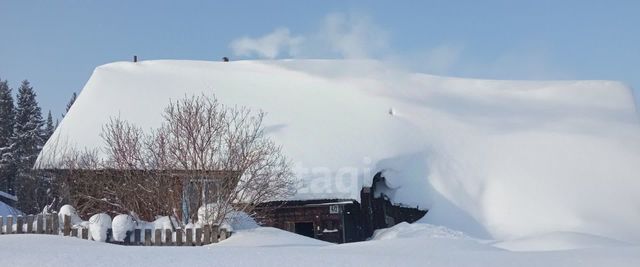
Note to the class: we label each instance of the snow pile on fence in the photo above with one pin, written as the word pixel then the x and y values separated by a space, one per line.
pixel 122 225
pixel 495 159
pixel 234 220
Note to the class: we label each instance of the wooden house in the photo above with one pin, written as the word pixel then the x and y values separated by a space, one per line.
pixel 339 220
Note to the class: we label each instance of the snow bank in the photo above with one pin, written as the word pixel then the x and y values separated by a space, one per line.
pixel 495 159
pixel 270 237
pixel 417 230
pixel 559 241
pixel 273 247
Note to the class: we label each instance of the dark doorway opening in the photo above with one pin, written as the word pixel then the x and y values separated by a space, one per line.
pixel 305 229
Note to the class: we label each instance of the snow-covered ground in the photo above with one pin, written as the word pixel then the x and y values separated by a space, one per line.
pixel 404 245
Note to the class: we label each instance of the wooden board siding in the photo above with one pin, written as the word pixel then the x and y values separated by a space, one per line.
pixel 327 224
pixel 352 222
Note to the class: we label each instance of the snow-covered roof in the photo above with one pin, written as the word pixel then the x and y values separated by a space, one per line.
pixel 6 210
pixel 490 157
pixel 8 196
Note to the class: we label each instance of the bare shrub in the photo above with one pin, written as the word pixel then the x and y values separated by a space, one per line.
pixel 204 152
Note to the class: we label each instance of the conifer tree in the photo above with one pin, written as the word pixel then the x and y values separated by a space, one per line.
pixel 27 142
pixel 28 137
pixel 49 128
pixel 7 117
pixel 70 103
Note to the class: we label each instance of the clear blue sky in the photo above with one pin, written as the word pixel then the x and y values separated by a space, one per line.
pixel 57 44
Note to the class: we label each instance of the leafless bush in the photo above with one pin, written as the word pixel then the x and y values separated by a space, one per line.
pixel 204 152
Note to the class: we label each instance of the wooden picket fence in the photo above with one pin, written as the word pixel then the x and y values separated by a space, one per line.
pixel 49 224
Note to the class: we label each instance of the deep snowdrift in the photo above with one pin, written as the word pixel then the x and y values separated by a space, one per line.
pixel 274 247
pixel 495 159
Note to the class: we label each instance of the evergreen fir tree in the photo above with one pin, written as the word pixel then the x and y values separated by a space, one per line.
pixel 48 128
pixel 28 140
pixel 7 119
pixel 70 103
pixel 28 136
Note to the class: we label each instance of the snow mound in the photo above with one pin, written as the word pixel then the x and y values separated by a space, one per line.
pixel 49 250
pixel 559 241
pixel 494 159
pixel 270 237
pixel 417 230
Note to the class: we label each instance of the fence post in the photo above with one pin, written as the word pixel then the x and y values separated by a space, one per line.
pixel 85 233
pixel 39 223
pixel 19 224
pixel 49 224
pixel 215 230
pixel 9 225
pixel 198 236
pixel 206 234
pixel 157 240
pixel 168 237
pixel 45 223
pixel 223 234
pixel 74 232
pixel 56 224
pixel 29 224
pixel 136 236
pixel 67 225
pixel 1 226
pixel 110 237
pixel 189 234
pixel 179 237
pixel 147 237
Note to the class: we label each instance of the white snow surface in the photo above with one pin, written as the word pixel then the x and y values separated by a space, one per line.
pixel 406 230
pixel 270 237
pixel 559 241
pixel 495 159
pixel 273 247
